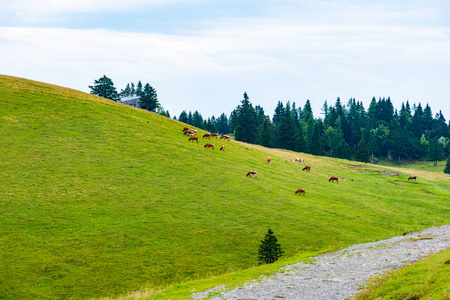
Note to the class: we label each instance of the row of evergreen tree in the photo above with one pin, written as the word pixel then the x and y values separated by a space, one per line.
pixel 346 131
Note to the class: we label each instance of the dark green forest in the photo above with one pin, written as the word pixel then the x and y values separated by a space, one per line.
pixel 344 130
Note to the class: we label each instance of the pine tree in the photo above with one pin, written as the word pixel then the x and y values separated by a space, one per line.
pixel 344 151
pixel 316 143
pixel 436 151
pixel 287 130
pixel 362 153
pixel 148 99
pixel 183 117
pixel 269 251
pixel 245 122
pixel 447 166
pixel 139 88
pixel 104 87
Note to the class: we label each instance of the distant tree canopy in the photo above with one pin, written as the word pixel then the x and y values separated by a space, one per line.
pixel 346 131
pixel 104 87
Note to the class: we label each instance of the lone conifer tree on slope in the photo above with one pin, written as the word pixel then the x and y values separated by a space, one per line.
pixel 269 251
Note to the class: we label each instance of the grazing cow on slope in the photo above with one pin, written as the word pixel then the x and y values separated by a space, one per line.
pixel 185 128
pixel 269 160
pixel 209 146
pixel 307 168
pixel 333 178
pixel 299 160
pixel 206 136
pixel 214 135
pixel 252 173
pixel 222 148
pixel 300 191
pixel 412 177
pixel 193 138
pixel 225 137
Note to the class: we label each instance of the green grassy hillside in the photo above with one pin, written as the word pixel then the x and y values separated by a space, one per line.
pixel 101 199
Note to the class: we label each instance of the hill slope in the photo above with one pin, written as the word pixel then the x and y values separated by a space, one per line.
pixel 99 199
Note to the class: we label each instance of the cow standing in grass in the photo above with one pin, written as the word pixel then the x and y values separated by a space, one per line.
pixel 300 191
pixel 412 177
pixel 252 173
pixel 209 146
pixel 334 178
pixel 193 138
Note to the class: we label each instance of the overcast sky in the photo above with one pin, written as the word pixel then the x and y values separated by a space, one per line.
pixel 203 55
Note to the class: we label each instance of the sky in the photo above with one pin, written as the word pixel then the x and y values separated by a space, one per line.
pixel 203 55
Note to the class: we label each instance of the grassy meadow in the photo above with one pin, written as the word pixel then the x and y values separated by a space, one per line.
pixel 99 199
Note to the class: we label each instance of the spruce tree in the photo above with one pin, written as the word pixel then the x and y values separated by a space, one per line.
pixel 344 151
pixel 447 166
pixel 362 153
pixel 148 99
pixel 316 143
pixel 245 121
pixel 436 151
pixel 269 251
pixel 104 87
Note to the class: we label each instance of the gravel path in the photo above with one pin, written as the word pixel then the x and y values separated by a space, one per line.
pixel 338 275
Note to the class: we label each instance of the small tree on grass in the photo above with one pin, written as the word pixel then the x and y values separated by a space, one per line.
pixel 447 166
pixel 269 251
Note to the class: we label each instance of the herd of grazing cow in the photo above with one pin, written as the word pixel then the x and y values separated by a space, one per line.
pixel 191 132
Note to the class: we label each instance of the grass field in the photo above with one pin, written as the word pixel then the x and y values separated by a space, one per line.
pixel 100 199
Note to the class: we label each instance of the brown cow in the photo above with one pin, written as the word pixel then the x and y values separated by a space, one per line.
pixel 206 136
pixel 299 160
pixel 189 132
pixel 269 160
pixel 222 148
pixel 252 173
pixel 214 135
pixel 412 177
pixel 333 178
pixel 300 191
pixel 209 146
pixel 225 137
pixel 185 128
pixel 193 138
pixel 307 168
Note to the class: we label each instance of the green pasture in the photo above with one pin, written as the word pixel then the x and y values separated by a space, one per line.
pixel 99 199
pixel 416 165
